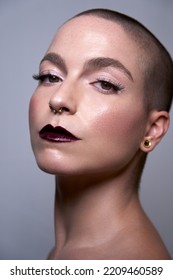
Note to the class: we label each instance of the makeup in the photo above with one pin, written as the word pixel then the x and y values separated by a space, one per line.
pixel 57 134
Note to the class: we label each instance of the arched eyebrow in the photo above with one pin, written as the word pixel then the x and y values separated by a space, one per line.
pixel 93 63
pixel 55 59
pixel 104 62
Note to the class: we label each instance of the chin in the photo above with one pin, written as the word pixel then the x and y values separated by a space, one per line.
pixel 64 168
pixel 57 167
pixel 50 166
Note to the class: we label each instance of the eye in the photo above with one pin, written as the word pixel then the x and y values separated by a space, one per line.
pixel 106 86
pixel 47 78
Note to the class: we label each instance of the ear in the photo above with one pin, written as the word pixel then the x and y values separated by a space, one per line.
pixel 157 126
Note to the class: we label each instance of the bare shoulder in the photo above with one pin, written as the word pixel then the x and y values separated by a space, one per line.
pixel 133 244
pixel 140 240
pixel 137 240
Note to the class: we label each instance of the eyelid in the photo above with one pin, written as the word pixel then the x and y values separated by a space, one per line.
pixel 48 72
pixel 108 77
pixel 51 72
pixel 109 80
pixel 115 84
pixel 45 79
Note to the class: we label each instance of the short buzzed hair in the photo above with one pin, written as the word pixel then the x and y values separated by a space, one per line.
pixel 155 61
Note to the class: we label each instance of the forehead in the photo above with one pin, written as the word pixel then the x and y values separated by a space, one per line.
pixel 94 32
pixel 86 37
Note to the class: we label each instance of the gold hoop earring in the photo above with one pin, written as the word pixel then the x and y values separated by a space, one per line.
pixel 147 143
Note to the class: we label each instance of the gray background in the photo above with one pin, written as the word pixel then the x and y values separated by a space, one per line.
pixel 26 193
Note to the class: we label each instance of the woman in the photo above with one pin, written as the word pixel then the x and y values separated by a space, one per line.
pixel 101 105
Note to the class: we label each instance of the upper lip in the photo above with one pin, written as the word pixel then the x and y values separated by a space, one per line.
pixel 56 134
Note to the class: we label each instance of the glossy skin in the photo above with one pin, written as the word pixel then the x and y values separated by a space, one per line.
pixel 103 121
pixel 110 121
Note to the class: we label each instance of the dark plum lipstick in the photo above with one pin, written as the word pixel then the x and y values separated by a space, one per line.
pixel 57 134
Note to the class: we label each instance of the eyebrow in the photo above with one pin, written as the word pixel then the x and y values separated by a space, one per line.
pixel 95 63
pixel 55 59
pixel 103 62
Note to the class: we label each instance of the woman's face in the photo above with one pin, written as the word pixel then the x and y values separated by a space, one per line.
pixel 93 74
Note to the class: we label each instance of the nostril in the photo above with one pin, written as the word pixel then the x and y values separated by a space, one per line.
pixel 65 109
pixel 60 110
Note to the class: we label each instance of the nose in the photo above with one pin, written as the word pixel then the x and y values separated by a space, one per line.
pixel 63 99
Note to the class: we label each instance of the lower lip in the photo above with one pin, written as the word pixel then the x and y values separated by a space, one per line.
pixel 52 137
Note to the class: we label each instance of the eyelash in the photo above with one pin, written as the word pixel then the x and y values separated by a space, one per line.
pixel 113 87
pixel 43 77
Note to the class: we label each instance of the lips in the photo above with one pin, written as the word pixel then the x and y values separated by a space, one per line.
pixel 57 134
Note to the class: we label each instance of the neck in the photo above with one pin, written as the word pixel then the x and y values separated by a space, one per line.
pixel 89 210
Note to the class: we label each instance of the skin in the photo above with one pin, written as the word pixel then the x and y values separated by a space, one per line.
pixel 97 209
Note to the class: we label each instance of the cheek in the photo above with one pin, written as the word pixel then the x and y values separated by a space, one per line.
pixel 32 109
pixel 119 126
pixel 116 138
pixel 35 118
pixel 36 108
